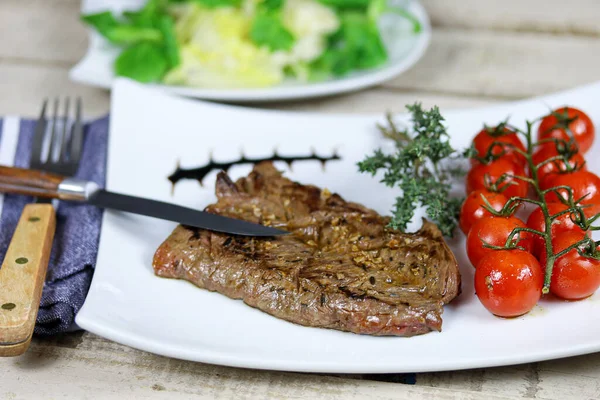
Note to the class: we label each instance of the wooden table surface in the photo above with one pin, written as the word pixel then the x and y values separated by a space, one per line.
pixel 483 52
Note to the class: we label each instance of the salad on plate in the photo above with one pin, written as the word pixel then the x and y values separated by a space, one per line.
pixel 246 43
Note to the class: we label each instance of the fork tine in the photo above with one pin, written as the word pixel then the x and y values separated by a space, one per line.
pixel 64 142
pixel 76 135
pixel 53 132
pixel 38 138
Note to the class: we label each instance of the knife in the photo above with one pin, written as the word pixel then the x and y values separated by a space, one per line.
pixel 44 184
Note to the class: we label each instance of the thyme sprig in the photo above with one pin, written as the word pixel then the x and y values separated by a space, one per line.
pixel 420 168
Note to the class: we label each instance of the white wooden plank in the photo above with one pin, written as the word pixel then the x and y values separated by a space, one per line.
pixel 578 17
pixel 23 87
pixel 518 381
pixel 27 84
pixel 502 64
pixel 98 369
pixel 575 378
pixel 381 100
pixel 92 366
pixel 42 30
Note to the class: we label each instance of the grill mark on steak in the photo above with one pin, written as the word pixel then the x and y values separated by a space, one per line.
pixel 340 267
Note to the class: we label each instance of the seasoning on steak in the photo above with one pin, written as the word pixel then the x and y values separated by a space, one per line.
pixel 340 267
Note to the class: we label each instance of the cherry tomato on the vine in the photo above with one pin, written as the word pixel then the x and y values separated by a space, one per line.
pixel 486 137
pixel 546 152
pixel 476 178
pixel 574 276
pixel 560 224
pixel 494 231
pixel 509 282
pixel 582 183
pixel 581 128
pixel 472 209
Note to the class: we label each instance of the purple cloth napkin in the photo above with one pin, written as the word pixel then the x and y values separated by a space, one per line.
pixel 75 244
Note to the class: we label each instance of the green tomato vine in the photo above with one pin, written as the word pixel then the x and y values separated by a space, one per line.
pixel 565 149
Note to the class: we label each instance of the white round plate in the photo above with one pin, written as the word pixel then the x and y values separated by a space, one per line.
pixel 404 50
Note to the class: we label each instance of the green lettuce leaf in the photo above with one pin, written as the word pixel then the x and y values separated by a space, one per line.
pixel 148 15
pixel 102 21
pixel 356 45
pixel 144 62
pixel 219 3
pixel 121 33
pixel 129 34
pixel 272 4
pixel 268 30
pixel 167 27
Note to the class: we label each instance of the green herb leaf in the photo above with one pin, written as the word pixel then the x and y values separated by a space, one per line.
pixel 364 40
pixel 420 169
pixel 102 21
pixel 129 34
pixel 147 16
pixel 122 34
pixel 167 27
pixel 268 30
pixel 140 18
pixel 144 62
pixel 347 4
pixel 356 45
pixel 374 8
pixel 272 4
pixel 219 3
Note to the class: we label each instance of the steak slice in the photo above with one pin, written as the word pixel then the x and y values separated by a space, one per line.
pixel 340 267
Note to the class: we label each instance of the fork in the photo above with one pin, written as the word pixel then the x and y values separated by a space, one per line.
pixel 24 267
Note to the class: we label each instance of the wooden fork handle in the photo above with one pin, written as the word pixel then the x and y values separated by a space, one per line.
pixel 22 277
pixel 29 182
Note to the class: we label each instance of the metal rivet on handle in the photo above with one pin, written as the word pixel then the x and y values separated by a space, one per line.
pixel 8 306
pixel 21 260
pixel 34 219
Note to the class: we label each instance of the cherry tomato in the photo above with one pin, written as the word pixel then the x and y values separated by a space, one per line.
pixel 581 128
pixel 509 282
pixel 547 151
pixel 476 178
pixel 582 183
pixel 544 182
pixel 486 137
pixel 472 209
pixel 561 224
pixel 574 276
pixel 494 231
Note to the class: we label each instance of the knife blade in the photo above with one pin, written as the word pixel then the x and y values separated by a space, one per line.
pixel 44 184
pixel 186 216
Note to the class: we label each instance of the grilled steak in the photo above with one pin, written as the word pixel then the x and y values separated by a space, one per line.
pixel 340 268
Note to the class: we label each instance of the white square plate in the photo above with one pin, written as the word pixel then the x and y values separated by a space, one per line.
pixel 152 131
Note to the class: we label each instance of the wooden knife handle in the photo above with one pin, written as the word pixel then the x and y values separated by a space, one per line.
pixel 22 277
pixel 29 182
